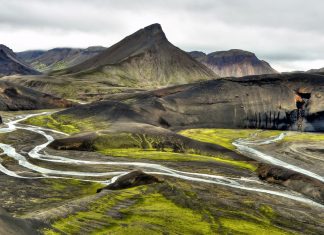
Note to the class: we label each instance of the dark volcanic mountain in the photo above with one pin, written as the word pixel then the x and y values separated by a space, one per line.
pixel 14 97
pixel 233 63
pixel 10 64
pixel 143 59
pixel 58 58
pixel 287 101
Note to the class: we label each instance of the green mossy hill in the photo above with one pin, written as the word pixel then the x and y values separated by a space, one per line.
pixel 64 123
pixel 158 209
pixel 142 146
pixel 130 145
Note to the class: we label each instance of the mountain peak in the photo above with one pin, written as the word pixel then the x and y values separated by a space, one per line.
pixel 154 28
pixel 153 31
pixel 6 49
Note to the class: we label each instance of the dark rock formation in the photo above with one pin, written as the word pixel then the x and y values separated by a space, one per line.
pixel 10 64
pixel 233 63
pixel 58 58
pixel 15 97
pixel 144 59
pixel 132 179
pixel 265 102
pixel 293 180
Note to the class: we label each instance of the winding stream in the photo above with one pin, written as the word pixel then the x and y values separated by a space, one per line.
pixel 239 183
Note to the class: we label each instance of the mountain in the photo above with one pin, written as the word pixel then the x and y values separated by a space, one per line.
pixel 319 71
pixel 10 64
pixel 58 58
pixel 233 63
pixel 144 59
pixel 14 97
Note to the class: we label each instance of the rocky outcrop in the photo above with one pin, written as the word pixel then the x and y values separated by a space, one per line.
pixel 293 180
pixel 144 59
pixel 58 58
pixel 15 97
pixel 10 64
pixel 132 179
pixel 233 63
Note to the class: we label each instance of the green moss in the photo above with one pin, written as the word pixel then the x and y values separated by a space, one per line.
pixel 169 155
pixel 64 123
pixel 267 211
pixel 49 122
pixel 239 226
pixel 140 212
pixel 298 136
pixel 155 214
pixel 70 185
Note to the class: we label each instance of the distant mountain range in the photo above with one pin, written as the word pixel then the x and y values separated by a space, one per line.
pixel 233 63
pixel 58 58
pixel 321 70
pixel 10 64
pixel 144 59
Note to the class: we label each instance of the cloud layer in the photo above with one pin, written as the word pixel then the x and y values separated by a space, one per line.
pixel 287 33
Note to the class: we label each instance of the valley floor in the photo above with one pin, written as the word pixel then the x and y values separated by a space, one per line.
pixel 55 190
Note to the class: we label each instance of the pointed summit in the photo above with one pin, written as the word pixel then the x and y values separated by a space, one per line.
pixel 143 59
pixel 155 30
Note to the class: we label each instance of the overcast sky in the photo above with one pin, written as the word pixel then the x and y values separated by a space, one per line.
pixel 289 34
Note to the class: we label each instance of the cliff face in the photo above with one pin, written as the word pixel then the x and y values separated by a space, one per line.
pixel 233 63
pixel 286 102
pixel 10 64
pixel 144 59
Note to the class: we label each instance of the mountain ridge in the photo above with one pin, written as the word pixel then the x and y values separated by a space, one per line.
pixel 10 64
pixel 233 63
pixel 58 58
